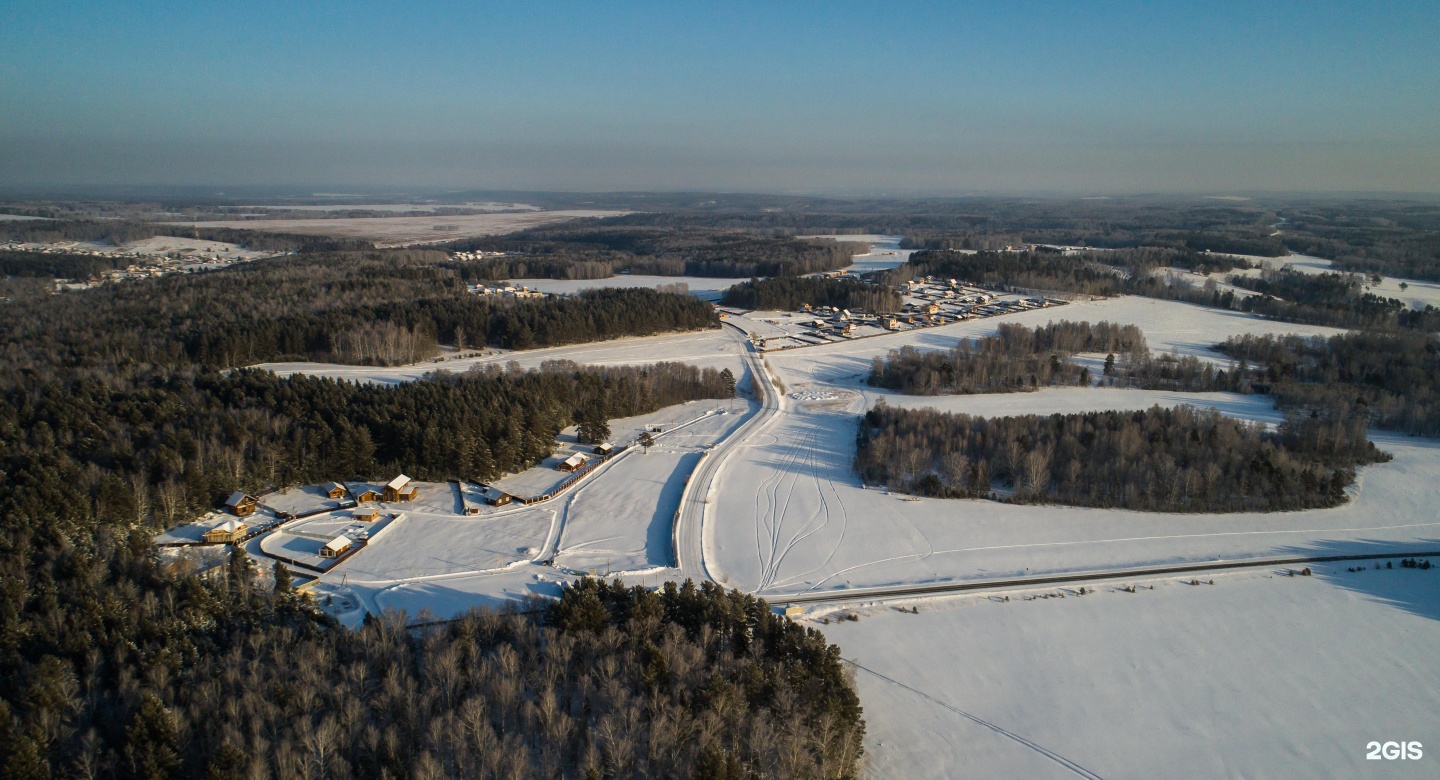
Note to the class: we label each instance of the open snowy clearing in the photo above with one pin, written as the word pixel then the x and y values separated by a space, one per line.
pixel 429 545
pixel 1256 676
pixel 885 252
pixel 789 515
pixel 403 231
pixel 705 288
pixel 401 208
pixel 1169 326
pixel 716 348
pixel 620 519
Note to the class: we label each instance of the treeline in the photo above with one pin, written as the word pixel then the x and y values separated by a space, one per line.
pixel 199 437
pixel 1193 243
pixel 1013 271
pixel 1332 299
pixel 1163 460
pixel 595 251
pixel 1392 378
pixel 372 307
pixel 1394 238
pixel 154 676
pixel 123 232
pixel 1015 358
pixel 790 293
pixel 56 265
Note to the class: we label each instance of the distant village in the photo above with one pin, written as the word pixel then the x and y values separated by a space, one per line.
pixel 154 257
pixel 927 302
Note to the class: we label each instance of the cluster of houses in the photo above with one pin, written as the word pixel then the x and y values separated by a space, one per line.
pixel 476 255
pixel 507 291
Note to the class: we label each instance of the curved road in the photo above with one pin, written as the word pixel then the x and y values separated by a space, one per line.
pixel 689 530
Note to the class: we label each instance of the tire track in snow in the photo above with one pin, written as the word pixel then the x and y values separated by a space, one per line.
pixel 1124 539
pixel 1074 767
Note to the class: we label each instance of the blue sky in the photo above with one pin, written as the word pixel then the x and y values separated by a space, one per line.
pixel 778 96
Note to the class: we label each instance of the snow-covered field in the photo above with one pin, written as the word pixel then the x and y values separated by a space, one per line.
pixel 402 208
pixel 403 231
pixel 703 287
pixel 885 252
pixel 1169 326
pixel 1257 676
pixel 719 348
pixel 620 519
pixel 792 517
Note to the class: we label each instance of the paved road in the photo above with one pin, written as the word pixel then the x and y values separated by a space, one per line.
pixel 689 531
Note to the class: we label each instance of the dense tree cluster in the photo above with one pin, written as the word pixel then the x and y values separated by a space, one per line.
pixel 373 307
pixel 594 251
pixel 114 424
pixel 1395 238
pixel 1015 358
pixel 1014 271
pixel 1166 460
pixel 790 293
pixel 154 676
pixel 57 265
pixel 1393 378
pixel 1332 299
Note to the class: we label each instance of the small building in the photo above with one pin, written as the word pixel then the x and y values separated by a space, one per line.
pixel 335 547
pixel 399 489
pixel 367 515
pixel 496 497
pixel 891 323
pixel 241 504
pixel 367 495
pixel 228 532
pixel 604 448
pixel 572 463
pixel 335 490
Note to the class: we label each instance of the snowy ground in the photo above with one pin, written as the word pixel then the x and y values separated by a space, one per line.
pixel 1417 294
pixel 717 348
pixel 1169 326
pixel 620 519
pixel 404 231
pixel 402 208
pixel 1257 676
pixel 703 287
pixel 885 252
pixel 792 517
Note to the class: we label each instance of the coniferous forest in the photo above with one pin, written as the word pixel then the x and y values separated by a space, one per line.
pixel 1164 460
pixel 790 293
pixel 126 410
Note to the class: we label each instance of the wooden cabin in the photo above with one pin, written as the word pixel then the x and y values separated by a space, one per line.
pixel 496 497
pixel 368 515
pixel 335 490
pixel 367 495
pixel 228 532
pixel 604 448
pixel 399 489
pixel 240 504
pixel 572 463
pixel 335 547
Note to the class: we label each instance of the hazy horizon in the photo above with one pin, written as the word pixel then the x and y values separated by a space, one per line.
pixel 840 99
